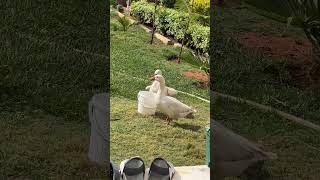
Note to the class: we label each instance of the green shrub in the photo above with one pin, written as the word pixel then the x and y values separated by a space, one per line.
pixel 143 12
pixel 175 24
pixel 199 36
pixel 168 3
pixel 200 6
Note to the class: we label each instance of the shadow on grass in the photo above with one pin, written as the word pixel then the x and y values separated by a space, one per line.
pixel 161 116
pixel 187 126
pixel 191 127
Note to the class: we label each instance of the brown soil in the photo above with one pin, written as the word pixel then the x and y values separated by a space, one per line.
pixel 201 78
pixel 297 52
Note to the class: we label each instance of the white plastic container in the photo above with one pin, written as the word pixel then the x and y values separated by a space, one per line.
pixel 146 103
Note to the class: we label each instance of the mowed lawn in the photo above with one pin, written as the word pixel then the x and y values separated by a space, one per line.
pixel 246 73
pixel 133 60
pixel 45 87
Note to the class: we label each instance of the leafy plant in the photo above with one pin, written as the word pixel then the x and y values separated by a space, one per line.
pixel 125 23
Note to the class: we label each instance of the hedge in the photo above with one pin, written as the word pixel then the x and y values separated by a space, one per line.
pixel 200 6
pixel 174 23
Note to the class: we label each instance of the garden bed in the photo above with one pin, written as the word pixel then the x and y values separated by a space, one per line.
pixel 173 24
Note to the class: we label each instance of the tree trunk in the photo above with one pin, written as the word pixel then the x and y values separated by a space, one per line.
pixel 180 53
pixel 153 23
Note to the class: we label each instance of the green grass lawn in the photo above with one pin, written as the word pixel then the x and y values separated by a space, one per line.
pixel 246 73
pixel 236 18
pixel 37 145
pixel 133 60
pixel 45 87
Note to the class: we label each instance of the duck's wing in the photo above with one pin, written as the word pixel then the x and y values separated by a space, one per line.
pixel 177 105
pixel 171 91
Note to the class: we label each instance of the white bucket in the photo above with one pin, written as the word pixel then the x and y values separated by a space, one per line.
pixel 146 103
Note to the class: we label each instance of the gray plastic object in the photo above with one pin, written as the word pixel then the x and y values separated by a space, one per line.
pixel 99 139
pixel 233 154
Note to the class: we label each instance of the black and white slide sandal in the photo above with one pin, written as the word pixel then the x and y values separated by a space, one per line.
pixel 114 171
pixel 160 169
pixel 132 169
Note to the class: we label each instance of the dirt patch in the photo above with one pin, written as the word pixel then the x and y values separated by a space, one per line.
pixel 201 78
pixel 298 53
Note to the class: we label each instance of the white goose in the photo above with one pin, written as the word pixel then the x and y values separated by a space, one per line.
pixel 170 106
pixel 154 87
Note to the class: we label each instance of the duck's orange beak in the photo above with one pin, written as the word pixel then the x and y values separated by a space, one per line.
pixel 152 78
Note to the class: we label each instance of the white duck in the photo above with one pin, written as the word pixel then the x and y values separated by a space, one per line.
pixel 154 87
pixel 170 106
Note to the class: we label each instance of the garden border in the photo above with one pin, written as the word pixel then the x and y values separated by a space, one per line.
pixel 163 39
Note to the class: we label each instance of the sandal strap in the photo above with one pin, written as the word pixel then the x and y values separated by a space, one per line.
pixel 162 171
pixel 159 170
pixel 134 171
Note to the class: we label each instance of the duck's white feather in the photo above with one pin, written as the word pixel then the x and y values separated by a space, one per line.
pixel 170 105
pixel 155 86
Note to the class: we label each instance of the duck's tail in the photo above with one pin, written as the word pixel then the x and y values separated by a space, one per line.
pixel 193 110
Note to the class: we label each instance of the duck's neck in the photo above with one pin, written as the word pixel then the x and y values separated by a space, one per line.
pixel 160 93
